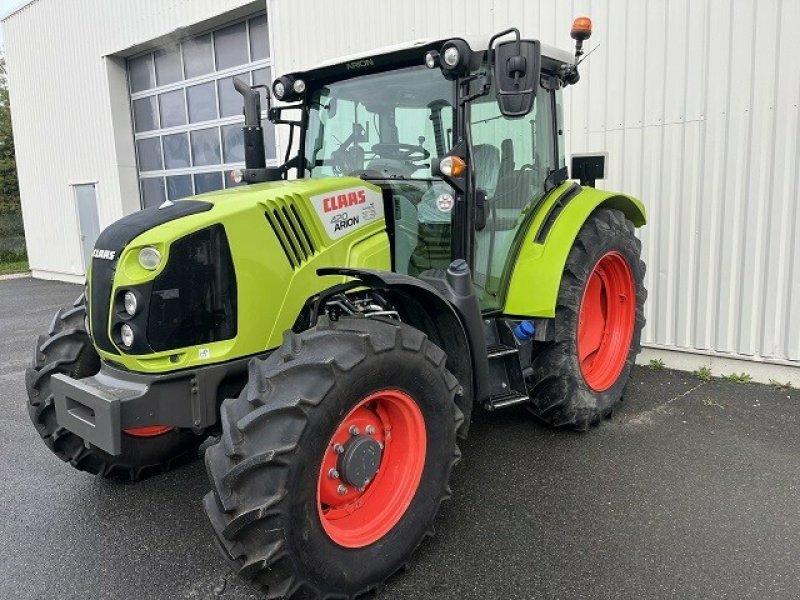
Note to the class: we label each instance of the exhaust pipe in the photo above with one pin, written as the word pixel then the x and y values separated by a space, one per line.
pixel 254 156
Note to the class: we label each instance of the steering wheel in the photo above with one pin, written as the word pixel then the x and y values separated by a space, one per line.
pixel 345 160
pixel 409 152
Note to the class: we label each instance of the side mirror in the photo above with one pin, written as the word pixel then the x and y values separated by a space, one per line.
pixel 517 68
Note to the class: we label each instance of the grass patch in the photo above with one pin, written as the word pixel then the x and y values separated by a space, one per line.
pixel 781 386
pixel 703 373
pixel 12 261
pixel 738 377
pixel 12 256
pixel 13 267
pixel 656 364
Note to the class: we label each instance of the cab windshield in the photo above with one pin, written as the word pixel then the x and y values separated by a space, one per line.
pixel 385 125
pixel 386 128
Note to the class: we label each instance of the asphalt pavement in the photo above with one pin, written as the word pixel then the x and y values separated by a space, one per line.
pixel 691 490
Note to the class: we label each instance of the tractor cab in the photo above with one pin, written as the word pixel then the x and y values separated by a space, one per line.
pixel 398 117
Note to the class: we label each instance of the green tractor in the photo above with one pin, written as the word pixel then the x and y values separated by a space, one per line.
pixel 336 329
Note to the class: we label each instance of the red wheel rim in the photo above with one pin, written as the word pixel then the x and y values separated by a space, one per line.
pixel 151 431
pixel 354 518
pixel 606 321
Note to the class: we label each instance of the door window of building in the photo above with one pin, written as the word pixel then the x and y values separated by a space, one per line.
pixel 187 118
pixel 88 220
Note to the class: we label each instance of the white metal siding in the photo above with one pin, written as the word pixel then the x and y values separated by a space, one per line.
pixel 696 102
pixel 66 99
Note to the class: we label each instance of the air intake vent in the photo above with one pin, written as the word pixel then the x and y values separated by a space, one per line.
pixel 291 233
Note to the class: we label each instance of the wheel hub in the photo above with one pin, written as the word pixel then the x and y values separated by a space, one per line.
pixel 371 468
pixel 360 460
pixel 606 321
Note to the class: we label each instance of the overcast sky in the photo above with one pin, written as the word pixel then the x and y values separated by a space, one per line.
pixel 6 6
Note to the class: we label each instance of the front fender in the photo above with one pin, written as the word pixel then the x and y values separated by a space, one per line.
pixel 536 276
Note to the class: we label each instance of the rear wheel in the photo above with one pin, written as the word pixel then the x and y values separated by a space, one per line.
pixel 67 349
pixel 334 459
pixel 579 378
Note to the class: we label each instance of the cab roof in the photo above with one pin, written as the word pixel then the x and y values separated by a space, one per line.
pixel 556 57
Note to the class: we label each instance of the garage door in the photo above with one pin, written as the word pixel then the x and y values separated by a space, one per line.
pixel 187 117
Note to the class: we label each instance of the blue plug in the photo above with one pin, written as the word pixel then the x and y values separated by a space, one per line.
pixel 524 331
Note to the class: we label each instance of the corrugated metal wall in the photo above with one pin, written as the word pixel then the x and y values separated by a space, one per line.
pixel 696 102
pixel 66 100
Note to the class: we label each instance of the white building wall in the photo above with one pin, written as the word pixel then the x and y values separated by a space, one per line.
pixel 71 112
pixel 696 102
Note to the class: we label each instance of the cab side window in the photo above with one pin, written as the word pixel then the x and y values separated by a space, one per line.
pixel 512 159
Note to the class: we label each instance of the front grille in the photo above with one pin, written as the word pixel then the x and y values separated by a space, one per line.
pixel 193 300
pixel 291 231
pixel 112 241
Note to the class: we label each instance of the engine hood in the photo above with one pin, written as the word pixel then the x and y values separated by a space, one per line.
pixel 279 234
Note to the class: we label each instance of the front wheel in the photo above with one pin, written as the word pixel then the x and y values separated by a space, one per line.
pixel 578 379
pixel 334 459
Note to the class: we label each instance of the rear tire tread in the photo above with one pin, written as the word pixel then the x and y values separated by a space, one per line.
pixel 559 395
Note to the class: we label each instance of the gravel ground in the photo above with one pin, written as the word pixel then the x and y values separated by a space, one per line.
pixel 691 490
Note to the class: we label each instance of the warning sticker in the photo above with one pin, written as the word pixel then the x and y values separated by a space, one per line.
pixel 344 211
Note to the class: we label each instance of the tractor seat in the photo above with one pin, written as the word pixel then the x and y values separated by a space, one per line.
pixel 486 162
pixel 517 189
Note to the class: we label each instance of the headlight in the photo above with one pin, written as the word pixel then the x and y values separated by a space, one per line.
pixel 451 56
pixel 126 333
pixel 456 57
pixel 149 258
pixel 288 88
pixel 131 304
pixel 279 89
pixel 432 59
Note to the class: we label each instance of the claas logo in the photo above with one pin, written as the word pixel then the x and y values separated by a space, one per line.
pixel 340 201
pixel 104 254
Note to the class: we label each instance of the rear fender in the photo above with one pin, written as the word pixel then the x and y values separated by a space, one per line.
pixel 536 276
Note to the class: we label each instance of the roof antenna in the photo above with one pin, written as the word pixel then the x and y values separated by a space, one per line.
pixel 587 55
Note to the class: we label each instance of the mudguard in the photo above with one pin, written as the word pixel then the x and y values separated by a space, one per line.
pixel 442 303
pixel 541 256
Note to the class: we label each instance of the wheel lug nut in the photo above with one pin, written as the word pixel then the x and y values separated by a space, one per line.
pixel 370 430
pixel 354 430
pixel 333 474
pixel 341 490
pixel 338 448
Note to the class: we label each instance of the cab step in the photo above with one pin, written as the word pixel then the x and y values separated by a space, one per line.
pixel 505 400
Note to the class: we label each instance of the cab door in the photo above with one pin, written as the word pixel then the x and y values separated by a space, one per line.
pixel 512 158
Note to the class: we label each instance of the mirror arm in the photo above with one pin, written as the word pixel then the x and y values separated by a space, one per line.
pixel 485 80
pixel 494 38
